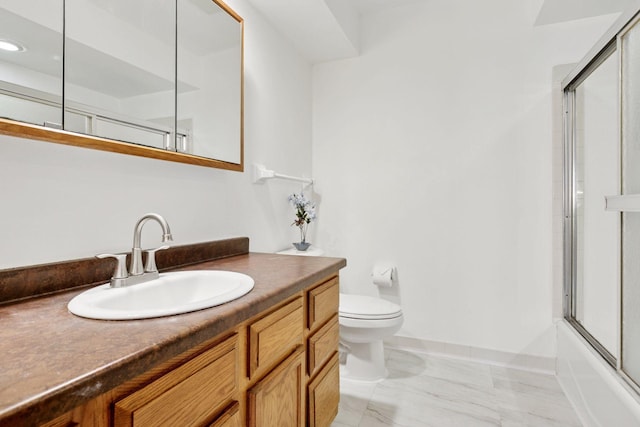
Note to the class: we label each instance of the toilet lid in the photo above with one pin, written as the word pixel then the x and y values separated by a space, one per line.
pixel 366 307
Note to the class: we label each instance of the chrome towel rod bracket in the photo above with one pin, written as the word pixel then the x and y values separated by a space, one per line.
pixel 261 174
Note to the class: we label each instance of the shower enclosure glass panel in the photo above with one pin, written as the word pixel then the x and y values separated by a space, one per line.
pixel 630 62
pixel 602 197
pixel 596 174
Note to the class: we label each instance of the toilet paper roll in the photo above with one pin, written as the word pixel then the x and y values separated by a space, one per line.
pixel 383 275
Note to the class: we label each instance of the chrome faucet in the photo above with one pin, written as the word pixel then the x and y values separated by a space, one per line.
pixel 137 273
pixel 136 253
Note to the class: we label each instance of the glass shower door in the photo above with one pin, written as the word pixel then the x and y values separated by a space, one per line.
pixel 630 201
pixel 596 232
pixel 602 199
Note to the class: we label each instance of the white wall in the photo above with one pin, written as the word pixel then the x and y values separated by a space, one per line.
pixel 432 150
pixel 60 202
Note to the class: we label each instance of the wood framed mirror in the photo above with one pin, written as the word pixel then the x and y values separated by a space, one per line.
pixel 155 78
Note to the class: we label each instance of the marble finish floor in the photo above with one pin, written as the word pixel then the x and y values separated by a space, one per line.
pixel 424 390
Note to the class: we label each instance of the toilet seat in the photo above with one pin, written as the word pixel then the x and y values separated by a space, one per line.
pixel 367 308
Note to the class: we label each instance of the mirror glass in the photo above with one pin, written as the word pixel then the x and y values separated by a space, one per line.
pixel 209 81
pixel 163 76
pixel 120 70
pixel 31 61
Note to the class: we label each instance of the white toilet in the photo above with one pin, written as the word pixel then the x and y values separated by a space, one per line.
pixel 364 322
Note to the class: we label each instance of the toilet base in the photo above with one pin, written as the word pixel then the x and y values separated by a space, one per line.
pixel 365 362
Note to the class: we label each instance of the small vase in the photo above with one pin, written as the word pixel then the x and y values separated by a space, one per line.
pixel 302 246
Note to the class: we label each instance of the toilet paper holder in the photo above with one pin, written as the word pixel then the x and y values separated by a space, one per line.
pixel 383 274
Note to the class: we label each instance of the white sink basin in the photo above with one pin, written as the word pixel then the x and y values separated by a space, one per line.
pixel 172 293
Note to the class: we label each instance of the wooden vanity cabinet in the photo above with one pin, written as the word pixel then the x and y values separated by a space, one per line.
pixel 279 368
pixel 322 337
pixel 304 388
pixel 197 388
pixel 189 395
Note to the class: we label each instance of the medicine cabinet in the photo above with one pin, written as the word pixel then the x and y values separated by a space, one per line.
pixel 154 78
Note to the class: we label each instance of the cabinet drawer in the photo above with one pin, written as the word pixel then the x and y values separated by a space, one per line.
pixel 323 344
pixel 323 303
pixel 274 336
pixel 229 418
pixel 324 395
pixel 64 420
pixel 189 395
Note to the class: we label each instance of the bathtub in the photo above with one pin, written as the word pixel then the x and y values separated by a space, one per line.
pixel 600 396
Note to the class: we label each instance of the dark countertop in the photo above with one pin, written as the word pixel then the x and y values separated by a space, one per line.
pixel 52 361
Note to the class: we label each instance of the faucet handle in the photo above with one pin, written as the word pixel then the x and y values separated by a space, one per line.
pixel 121 267
pixel 150 264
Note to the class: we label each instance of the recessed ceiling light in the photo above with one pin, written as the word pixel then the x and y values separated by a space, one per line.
pixel 10 46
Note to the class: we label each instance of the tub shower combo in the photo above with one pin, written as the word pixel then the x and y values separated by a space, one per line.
pixel 599 339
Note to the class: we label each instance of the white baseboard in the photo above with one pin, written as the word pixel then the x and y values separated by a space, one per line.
pixel 526 362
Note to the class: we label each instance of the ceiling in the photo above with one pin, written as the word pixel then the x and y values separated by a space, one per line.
pixel 555 11
pixel 368 6
pixel 337 21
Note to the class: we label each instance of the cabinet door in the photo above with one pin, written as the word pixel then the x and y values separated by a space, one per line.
pixel 277 400
pixel 189 395
pixel 229 418
pixel 324 395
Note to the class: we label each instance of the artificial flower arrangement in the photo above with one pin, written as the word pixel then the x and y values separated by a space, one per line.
pixel 305 213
